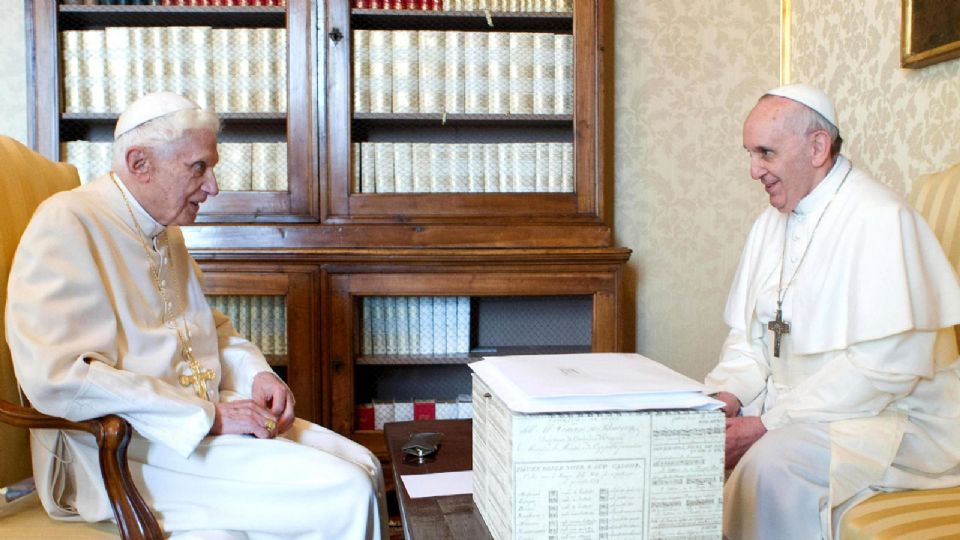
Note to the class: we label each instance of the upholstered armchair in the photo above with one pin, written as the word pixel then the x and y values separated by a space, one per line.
pixel 26 179
pixel 932 513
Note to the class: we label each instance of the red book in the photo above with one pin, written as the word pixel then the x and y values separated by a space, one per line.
pixel 424 410
pixel 365 416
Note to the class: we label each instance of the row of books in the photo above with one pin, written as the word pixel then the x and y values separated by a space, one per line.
pixel 550 6
pixel 261 319
pixel 408 71
pixel 404 325
pixel 242 166
pixel 225 69
pixel 374 415
pixel 257 166
pixel 175 2
pixel 400 167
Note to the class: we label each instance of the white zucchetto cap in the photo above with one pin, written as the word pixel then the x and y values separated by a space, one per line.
pixel 150 107
pixel 809 96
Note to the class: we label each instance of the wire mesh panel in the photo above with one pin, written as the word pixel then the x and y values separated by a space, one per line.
pixel 261 319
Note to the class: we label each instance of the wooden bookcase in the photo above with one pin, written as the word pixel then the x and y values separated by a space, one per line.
pixel 325 247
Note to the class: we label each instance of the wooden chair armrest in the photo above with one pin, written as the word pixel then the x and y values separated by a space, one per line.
pixel 134 518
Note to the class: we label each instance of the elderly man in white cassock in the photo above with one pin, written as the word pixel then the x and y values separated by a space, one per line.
pixel 105 314
pixel 839 374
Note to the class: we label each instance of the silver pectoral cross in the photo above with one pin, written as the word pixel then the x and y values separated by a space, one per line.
pixel 779 328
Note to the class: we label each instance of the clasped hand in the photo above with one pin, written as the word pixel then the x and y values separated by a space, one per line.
pixel 268 413
pixel 741 431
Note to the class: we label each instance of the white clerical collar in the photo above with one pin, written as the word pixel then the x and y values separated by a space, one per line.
pixel 151 227
pixel 816 199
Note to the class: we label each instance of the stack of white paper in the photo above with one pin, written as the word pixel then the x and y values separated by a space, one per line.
pixel 619 447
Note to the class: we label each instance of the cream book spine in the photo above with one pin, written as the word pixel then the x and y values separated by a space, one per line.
pixel 279 166
pixel 118 67
pixel 498 72
pixel 366 347
pixel 402 324
pixel 240 69
pixel 521 72
pixel 542 167
pixel 475 168
pixel 431 55
pixel 93 71
pixel 368 168
pixel 555 167
pixel 261 166
pixel 491 167
pixel 355 186
pixel 139 38
pixel 413 324
pixel 379 324
pixel 155 58
pixel 459 168
pixel 454 72
pixel 406 92
pixel 197 51
pixel 463 324
pixel 390 324
pixel 385 167
pixel 234 170
pixel 439 325
pixel 403 167
pixel 381 71
pixel 176 70
pixel 567 166
pixel 222 85
pixel 440 168
pixel 544 73
pixel 101 162
pixel 361 71
pixel 256 321
pixel 422 167
pixel 261 69
pixel 476 73
pixel 72 81
pixel 563 92
pixel 279 70
pixel 506 155
pixel 280 323
pixel 525 172
pixel 426 324
pixel 450 321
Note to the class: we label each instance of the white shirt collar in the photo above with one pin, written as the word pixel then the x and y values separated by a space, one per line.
pixel 817 199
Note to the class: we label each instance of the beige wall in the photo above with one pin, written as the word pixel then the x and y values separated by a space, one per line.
pixel 13 79
pixel 686 75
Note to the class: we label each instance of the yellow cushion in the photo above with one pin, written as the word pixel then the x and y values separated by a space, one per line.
pixel 26 519
pixel 906 515
pixel 26 178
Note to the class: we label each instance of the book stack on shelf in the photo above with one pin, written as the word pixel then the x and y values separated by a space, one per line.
pixel 402 167
pixel 370 416
pixel 257 166
pixel 409 325
pixel 226 69
pixel 419 5
pixel 453 72
pixel 261 319
pixel 533 6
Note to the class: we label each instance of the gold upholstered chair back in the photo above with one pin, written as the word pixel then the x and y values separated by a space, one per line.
pixel 26 179
pixel 928 513
pixel 937 197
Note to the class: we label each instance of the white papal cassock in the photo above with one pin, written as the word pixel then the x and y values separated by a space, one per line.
pixel 867 378
pixel 85 325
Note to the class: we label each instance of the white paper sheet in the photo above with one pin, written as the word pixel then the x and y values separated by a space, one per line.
pixel 590 382
pixel 438 484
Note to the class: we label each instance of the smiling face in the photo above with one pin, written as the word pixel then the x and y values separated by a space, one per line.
pixel 783 156
pixel 180 177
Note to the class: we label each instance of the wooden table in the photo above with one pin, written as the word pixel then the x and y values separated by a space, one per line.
pixel 436 518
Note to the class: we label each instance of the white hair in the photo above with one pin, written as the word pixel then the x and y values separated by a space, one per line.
pixel 160 131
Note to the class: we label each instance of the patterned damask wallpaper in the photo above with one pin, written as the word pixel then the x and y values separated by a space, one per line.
pixel 686 74
pixel 896 123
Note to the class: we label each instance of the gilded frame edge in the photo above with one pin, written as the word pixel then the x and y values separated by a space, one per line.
pixel 915 59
